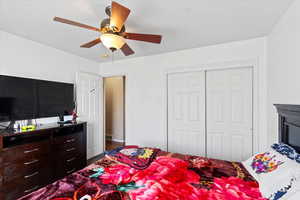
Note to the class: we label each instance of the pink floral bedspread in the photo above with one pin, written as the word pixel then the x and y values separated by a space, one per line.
pixel 168 177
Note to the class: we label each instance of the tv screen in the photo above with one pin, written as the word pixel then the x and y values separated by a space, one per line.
pixel 22 98
pixel 18 98
pixel 5 109
pixel 55 98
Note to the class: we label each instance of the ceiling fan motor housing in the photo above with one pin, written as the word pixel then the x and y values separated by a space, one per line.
pixel 108 10
pixel 106 28
pixel 105 24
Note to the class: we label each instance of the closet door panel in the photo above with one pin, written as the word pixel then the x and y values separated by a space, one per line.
pixel 186 113
pixel 229 114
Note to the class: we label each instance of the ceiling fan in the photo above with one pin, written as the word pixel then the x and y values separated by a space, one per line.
pixel 112 30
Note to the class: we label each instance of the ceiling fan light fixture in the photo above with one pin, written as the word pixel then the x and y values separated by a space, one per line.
pixel 113 31
pixel 112 41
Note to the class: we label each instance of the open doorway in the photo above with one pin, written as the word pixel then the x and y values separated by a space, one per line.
pixel 114 103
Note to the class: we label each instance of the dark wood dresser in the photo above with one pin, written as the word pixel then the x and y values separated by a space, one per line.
pixel 30 160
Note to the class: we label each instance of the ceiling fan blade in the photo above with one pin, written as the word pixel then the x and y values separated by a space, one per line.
pixel 91 43
pixel 127 50
pixel 143 37
pixel 119 15
pixel 66 21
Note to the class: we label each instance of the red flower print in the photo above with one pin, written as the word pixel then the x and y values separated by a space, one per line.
pixel 169 179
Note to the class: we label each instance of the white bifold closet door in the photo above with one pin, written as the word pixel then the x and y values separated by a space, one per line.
pixel 186 113
pixel 229 114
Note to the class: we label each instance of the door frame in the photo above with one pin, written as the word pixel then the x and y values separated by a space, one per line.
pixel 124 107
pixel 258 139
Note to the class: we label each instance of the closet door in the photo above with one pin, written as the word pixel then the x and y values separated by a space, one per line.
pixel 229 114
pixel 186 113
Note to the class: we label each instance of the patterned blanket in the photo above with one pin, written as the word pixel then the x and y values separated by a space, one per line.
pixel 149 174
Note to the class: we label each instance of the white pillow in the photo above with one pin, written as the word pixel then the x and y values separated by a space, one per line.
pixel 277 175
pixel 293 161
pixel 288 187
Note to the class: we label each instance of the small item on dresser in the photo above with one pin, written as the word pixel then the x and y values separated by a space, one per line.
pixel 28 128
pixel 74 116
pixel 16 126
pixel 61 118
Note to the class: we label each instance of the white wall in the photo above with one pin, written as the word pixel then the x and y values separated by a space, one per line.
pixel 114 107
pixel 25 58
pixel 146 83
pixel 283 65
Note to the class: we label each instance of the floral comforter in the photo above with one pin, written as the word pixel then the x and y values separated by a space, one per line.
pixel 149 174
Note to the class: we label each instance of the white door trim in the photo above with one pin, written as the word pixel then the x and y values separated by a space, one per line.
pixel 252 63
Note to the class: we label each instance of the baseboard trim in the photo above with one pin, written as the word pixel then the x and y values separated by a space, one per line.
pixel 116 140
pixel 95 158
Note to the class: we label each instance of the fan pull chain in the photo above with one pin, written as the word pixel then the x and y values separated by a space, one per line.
pixel 112 57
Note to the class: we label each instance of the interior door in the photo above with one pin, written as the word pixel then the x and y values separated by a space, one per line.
pixel 89 89
pixel 229 114
pixel 186 113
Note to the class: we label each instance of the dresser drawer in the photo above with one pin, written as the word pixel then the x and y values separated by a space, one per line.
pixel 67 153
pixel 1 176
pixel 25 152
pixel 24 185
pixel 19 188
pixel 69 130
pixel 70 163
pixel 25 169
pixel 62 141
pixel 68 146
pixel 69 166
pixel 1 159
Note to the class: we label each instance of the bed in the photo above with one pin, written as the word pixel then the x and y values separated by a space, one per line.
pixel 138 173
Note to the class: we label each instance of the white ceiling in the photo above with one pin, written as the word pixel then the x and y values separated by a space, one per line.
pixel 183 24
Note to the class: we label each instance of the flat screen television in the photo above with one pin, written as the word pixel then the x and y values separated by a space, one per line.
pixel 5 108
pixel 55 98
pixel 22 98
pixel 20 95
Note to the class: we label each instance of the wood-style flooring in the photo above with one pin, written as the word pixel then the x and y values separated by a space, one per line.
pixel 94 159
pixel 110 145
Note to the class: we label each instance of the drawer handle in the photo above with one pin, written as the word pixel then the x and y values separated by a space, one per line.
pixel 31 175
pixel 30 151
pixel 32 189
pixel 71 159
pixel 71 171
pixel 70 140
pixel 71 149
pixel 31 162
